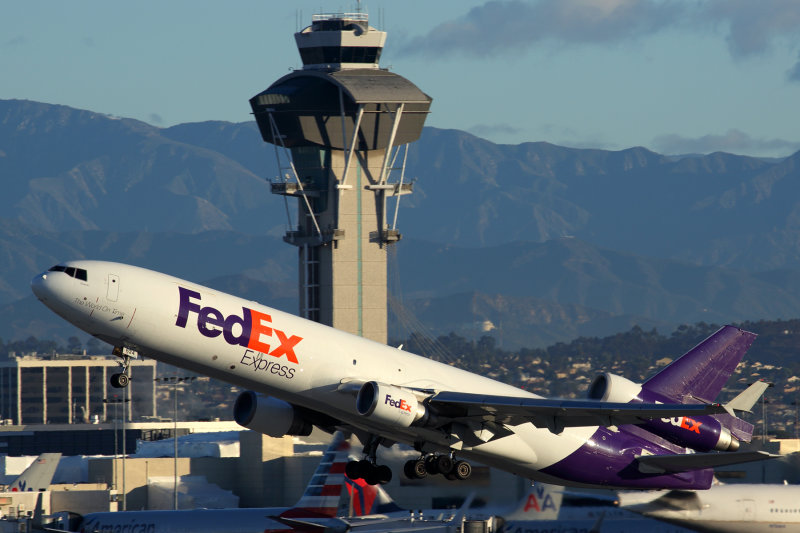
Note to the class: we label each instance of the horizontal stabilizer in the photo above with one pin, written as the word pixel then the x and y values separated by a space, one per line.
pixel 660 464
pixel 748 397
pixel 305 525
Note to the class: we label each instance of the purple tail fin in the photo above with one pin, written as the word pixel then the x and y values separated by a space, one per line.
pixel 699 375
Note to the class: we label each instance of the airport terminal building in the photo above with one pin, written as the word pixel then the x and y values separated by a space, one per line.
pixel 68 389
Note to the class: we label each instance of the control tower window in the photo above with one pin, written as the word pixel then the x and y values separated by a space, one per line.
pixel 340 54
pixel 337 25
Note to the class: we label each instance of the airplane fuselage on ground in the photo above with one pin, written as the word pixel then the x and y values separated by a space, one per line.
pixel 319 370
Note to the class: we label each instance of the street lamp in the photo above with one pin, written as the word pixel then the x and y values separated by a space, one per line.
pixel 116 401
pixel 175 380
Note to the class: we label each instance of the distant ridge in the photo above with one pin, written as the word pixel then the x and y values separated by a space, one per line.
pixel 591 239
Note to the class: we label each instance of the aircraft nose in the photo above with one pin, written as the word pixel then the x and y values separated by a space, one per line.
pixel 39 286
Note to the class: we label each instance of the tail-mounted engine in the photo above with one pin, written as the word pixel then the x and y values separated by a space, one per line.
pixel 269 416
pixel 701 433
pixel 607 387
pixel 391 405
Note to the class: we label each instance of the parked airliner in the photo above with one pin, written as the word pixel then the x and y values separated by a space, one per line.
pixel 739 507
pixel 315 511
pixel 664 433
pixel 38 476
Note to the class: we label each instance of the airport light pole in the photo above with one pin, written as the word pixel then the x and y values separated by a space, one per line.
pixel 175 380
pixel 117 401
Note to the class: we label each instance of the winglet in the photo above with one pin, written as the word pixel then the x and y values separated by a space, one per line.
pixel 747 398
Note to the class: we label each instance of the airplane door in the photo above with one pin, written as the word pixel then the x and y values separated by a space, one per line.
pixel 113 287
pixel 748 510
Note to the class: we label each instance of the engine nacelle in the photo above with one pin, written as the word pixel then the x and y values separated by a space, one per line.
pixel 391 405
pixel 608 387
pixel 702 433
pixel 269 416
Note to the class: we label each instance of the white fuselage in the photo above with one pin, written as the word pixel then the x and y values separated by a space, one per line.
pixel 140 309
pixel 745 508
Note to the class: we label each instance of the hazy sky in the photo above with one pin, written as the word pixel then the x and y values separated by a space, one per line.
pixel 675 76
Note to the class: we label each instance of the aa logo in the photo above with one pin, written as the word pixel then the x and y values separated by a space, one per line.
pixel 539 500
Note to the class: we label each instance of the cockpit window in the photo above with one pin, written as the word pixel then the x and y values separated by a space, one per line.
pixel 77 273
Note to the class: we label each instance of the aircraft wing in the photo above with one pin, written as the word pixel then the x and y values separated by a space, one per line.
pixel 556 415
pixel 660 464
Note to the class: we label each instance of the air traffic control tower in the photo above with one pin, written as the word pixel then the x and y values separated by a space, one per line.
pixel 341 128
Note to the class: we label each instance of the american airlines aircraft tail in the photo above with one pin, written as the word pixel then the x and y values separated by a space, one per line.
pixel 663 433
pixel 38 476
pixel 316 509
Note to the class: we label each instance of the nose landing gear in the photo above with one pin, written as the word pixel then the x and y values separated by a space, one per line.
pixel 121 380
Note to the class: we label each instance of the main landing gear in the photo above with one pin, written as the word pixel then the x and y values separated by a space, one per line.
pixel 367 468
pixel 437 464
pixel 121 380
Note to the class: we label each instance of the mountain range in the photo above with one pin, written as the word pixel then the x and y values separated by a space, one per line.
pixel 533 243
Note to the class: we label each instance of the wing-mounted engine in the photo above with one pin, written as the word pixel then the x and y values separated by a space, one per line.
pixel 269 416
pixel 391 405
pixel 607 387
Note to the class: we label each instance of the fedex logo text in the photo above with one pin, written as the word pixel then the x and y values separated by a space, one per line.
pixel 399 404
pixel 684 422
pixel 256 328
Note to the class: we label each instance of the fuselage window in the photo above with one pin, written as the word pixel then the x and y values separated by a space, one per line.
pixel 70 271
pixel 81 274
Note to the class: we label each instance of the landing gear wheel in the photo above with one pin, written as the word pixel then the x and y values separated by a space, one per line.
pixel 352 470
pixel 415 469
pixel 462 470
pixel 383 474
pixel 408 469
pixel 430 465
pixel 444 464
pixel 120 381
pixel 419 469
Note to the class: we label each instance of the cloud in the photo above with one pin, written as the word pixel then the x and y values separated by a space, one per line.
pixel 494 130
pixel 793 74
pixel 503 26
pixel 734 141
pixel 498 27
pixel 16 41
pixel 753 25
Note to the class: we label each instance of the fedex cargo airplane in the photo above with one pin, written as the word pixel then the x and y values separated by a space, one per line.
pixel 663 433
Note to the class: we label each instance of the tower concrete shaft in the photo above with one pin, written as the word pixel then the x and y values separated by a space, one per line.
pixel 339 127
